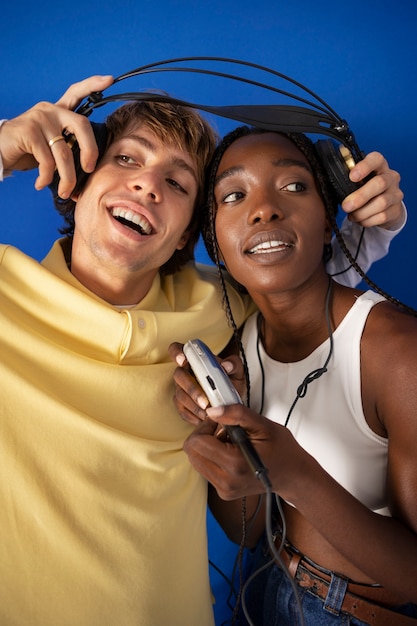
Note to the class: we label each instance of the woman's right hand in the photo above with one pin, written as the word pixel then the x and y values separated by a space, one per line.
pixel 190 400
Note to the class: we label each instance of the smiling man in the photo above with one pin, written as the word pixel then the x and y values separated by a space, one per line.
pixel 103 519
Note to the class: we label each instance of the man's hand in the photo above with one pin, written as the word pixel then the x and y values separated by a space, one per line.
pixel 379 201
pixel 32 139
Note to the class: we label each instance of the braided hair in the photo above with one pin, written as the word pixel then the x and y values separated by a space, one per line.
pixel 325 189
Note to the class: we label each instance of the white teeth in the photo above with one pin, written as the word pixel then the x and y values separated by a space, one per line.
pixel 269 246
pixel 133 217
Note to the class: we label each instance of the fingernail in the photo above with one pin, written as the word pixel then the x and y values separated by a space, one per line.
pixel 180 359
pixel 214 411
pixel 202 402
pixel 348 205
pixel 227 366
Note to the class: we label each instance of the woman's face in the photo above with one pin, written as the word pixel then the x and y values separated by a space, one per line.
pixel 270 224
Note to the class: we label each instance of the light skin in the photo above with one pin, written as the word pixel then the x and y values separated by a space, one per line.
pixel 263 195
pixel 132 215
pixel 24 139
pixel 156 182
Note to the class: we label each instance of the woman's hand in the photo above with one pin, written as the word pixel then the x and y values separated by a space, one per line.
pixel 190 400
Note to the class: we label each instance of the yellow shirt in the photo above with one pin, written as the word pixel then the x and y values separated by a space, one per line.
pixel 102 517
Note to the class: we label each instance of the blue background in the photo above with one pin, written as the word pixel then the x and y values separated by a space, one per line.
pixel 359 56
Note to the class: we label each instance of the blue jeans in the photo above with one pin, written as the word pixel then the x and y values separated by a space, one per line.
pixel 270 601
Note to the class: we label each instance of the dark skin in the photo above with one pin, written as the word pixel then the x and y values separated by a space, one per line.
pixel 261 189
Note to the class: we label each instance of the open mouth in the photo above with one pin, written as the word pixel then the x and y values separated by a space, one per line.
pixel 132 220
pixel 270 246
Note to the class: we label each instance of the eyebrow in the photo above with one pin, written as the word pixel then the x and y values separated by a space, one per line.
pixel 239 169
pixel 175 161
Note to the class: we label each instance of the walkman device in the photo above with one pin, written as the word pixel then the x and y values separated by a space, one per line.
pixel 220 392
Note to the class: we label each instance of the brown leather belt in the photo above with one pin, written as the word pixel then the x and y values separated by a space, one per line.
pixel 364 609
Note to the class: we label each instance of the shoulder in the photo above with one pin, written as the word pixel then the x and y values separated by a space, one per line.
pixel 391 333
pixel 11 255
pixel 389 360
pixel 391 322
pixel 204 282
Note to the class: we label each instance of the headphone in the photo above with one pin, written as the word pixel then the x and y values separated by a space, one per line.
pixel 337 155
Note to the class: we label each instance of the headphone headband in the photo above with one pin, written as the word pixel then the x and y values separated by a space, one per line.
pixel 317 117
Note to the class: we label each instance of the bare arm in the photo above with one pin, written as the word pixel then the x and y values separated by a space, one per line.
pixel 383 548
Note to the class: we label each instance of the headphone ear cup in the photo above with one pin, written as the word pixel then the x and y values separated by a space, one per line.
pixel 101 136
pixel 337 167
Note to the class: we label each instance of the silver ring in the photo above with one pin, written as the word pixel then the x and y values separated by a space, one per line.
pixel 55 139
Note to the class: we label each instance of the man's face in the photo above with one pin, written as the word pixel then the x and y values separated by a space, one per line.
pixel 136 207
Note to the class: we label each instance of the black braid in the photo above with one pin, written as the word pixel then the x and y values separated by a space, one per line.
pixel 306 146
pixel 326 191
pixel 210 241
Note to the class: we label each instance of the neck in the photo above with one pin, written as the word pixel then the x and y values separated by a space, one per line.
pixel 112 284
pixel 292 326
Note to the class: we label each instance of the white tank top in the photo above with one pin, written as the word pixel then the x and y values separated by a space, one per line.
pixel 328 422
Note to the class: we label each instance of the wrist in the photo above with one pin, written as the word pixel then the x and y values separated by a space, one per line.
pixel 3 172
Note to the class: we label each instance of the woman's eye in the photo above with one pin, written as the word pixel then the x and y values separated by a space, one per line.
pixel 294 187
pixel 234 196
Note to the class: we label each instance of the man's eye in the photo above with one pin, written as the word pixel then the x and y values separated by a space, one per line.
pixel 176 185
pixel 294 187
pixel 124 158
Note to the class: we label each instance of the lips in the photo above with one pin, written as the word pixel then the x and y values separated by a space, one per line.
pixel 131 219
pixel 268 243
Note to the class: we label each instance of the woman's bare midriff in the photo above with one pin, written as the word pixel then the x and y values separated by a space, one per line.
pixel 313 545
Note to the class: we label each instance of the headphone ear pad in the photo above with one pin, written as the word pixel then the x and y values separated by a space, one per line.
pixel 336 168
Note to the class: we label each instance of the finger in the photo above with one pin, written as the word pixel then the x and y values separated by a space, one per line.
pixel 78 128
pixel 64 165
pixel 44 127
pixel 378 203
pixel 221 463
pixel 187 408
pixel 373 163
pixel 359 198
pixel 78 91
pixel 376 214
pixel 176 353
pixel 184 380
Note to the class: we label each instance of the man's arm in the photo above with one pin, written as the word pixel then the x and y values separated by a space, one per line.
pixel 30 140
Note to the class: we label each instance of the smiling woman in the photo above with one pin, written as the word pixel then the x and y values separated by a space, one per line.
pixel 268 189
pixel 322 409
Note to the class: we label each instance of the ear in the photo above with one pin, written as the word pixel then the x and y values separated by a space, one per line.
pixel 184 239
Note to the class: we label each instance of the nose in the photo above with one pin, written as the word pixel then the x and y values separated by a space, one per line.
pixel 266 207
pixel 148 181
